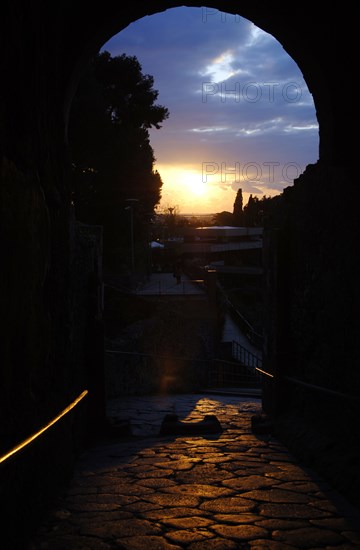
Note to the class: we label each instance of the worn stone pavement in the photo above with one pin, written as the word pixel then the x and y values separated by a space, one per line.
pixel 229 490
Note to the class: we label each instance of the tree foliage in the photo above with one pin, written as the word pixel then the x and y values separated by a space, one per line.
pixel 238 217
pixel 112 113
pixel 223 218
pixel 258 211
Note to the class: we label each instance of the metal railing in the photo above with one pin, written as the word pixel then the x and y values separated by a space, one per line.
pixel 229 374
pixel 246 357
pixel 248 330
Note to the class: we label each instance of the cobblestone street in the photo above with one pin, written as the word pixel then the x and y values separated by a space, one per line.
pixel 230 490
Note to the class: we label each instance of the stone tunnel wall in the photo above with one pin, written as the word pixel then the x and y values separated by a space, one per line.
pixel 52 351
pixel 311 337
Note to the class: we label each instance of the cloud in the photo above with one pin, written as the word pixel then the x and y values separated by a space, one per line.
pixel 234 94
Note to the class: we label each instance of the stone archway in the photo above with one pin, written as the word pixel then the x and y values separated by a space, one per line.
pixel 43 49
pixel 306 36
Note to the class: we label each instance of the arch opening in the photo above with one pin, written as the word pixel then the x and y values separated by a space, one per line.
pixel 241 114
pixel 221 109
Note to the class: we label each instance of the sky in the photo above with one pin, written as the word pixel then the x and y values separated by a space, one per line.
pixel 241 115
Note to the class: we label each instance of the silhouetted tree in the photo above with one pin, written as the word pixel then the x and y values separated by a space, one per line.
pixel 109 140
pixel 251 212
pixel 223 218
pixel 258 211
pixel 238 215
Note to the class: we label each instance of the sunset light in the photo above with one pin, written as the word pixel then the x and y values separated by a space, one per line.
pixel 239 107
pixel 208 188
pixel 193 182
pixel 187 189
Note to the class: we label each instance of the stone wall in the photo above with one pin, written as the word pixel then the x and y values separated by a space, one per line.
pixel 39 377
pixel 318 289
pixel 312 303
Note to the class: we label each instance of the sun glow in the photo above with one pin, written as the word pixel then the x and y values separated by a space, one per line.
pixel 205 191
pixel 192 182
pixel 187 188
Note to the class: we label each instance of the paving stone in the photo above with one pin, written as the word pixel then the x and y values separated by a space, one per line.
pixel 146 543
pixel 218 458
pixel 283 524
pixel 140 507
pixel 306 487
pixel 202 472
pixel 178 465
pixel 275 495
pixel 236 518
pixel 200 490
pixel 130 489
pixel 157 483
pixel 223 505
pixel 286 476
pixel 243 468
pixel 173 500
pixel 217 544
pixel 290 511
pixel 244 483
pixel 158 473
pixel 182 511
pixel 188 522
pixel 188 536
pixel 240 532
pixel 262 544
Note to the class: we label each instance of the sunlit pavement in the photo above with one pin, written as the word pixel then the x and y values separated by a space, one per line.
pixel 230 490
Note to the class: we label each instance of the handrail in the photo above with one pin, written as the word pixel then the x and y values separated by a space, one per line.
pixel 27 441
pixel 264 372
pixel 321 389
pixel 298 382
pixel 237 312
